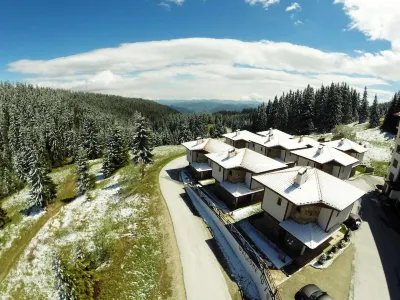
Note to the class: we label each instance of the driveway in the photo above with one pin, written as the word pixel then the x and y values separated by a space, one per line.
pixel 201 270
pixel 376 260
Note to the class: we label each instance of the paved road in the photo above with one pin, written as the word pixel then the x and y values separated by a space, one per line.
pixel 201 271
pixel 377 259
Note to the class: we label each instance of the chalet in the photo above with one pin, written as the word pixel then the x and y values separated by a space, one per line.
pixel 327 159
pixel 195 154
pixel 275 132
pixel 303 207
pixel 349 147
pixel 239 138
pixel 276 146
pixel 233 171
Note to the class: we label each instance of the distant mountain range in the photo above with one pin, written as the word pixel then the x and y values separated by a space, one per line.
pixel 195 106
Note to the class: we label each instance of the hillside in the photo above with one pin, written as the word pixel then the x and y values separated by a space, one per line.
pixel 211 106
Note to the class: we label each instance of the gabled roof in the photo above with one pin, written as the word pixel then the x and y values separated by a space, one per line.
pixel 346 145
pixel 246 159
pixel 309 142
pixel 278 141
pixel 327 155
pixel 208 145
pixel 240 135
pixel 318 188
pixel 275 132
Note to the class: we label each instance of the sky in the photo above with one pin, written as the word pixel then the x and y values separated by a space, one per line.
pixel 201 49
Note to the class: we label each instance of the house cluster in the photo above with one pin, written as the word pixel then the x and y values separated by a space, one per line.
pixel 299 181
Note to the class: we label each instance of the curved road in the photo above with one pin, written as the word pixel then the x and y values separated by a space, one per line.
pixel 201 271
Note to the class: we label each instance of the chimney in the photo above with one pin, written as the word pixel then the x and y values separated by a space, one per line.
pixel 271 130
pixel 199 140
pixel 320 149
pixel 237 132
pixel 231 153
pixel 341 141
pixel 300 139
pixel 301 176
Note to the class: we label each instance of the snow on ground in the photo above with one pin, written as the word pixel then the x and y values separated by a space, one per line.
pixel 79 222
pixel 375 135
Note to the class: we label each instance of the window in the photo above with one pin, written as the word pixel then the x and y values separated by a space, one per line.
pixel 254 145
pixel 220 169
pixel 395 163
pixel 391 176
pixel 398 149
pixel 210 163
pixel 342 170
pixel 261 148
pixel 308 163
pixel 298 208
pixel 338 213
pixel 279 201
pixel 230 172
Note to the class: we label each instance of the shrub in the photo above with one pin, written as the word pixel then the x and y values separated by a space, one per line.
pixel 4 219
pixel 345 132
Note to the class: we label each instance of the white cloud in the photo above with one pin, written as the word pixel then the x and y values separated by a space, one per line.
pixel 298 22
pixel 167 3
pixel 209 68
pixel 264 3
pixel 377 19
pixel 294 6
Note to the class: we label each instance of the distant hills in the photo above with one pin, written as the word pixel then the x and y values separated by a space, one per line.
pixel 195 106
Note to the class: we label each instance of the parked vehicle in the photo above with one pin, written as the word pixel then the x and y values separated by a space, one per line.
pixel 312 292
pixel 353 222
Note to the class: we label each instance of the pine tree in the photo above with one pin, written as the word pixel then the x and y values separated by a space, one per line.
pixel 347 107
pixel 390 122
pixel 374 115
pixel 184 132
pixel 319 107
pixel 141 143
pixel 116 154
pixel 84 181
pixel 363 110
pixel 333 109
pixel 90 139
pixel 355 102
pixel 260 121
pixel 43 189
pixel 306 125
pixel 218 129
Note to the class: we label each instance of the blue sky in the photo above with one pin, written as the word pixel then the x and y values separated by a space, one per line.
pixel 52 42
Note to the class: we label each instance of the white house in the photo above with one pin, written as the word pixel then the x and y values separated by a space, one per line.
pixel 349 147
pixel 277 145
pixel 304 206
pixel 233 171
pixel 327 159
pixel 239 138
pixel 195 155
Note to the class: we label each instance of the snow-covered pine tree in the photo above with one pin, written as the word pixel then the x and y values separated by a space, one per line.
pixel 116 153
pixel 319 106
pixel 141 142
pixel 306 125
pixel 282 121
pixel 363 110
pixel 84 181
pixel 346 104
pixel 374 114
pixel 390 122
pixel 333 108
pixel 43 189
pixel 355 102
pixel 184 133
pixel 90 138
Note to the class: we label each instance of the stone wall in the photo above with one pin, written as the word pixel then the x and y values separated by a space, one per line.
pixel 199 157
pixel 240 144
pixel 305 214
pixel 237 176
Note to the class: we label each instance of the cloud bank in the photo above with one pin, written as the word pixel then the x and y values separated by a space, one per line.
pixel 204 68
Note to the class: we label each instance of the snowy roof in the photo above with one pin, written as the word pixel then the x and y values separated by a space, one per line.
pixel 307 141
pixel 238 189
pixel 247 211
pixel 208 145
pixel 346 145
pixel 201 167
pixel 275 132
pixel 328 154
pixel 247 159
pixel 318 188
pixel 309 234
pixel 278 141
pixel 240 135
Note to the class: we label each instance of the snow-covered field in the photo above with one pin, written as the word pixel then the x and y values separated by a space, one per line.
pixel 81 222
